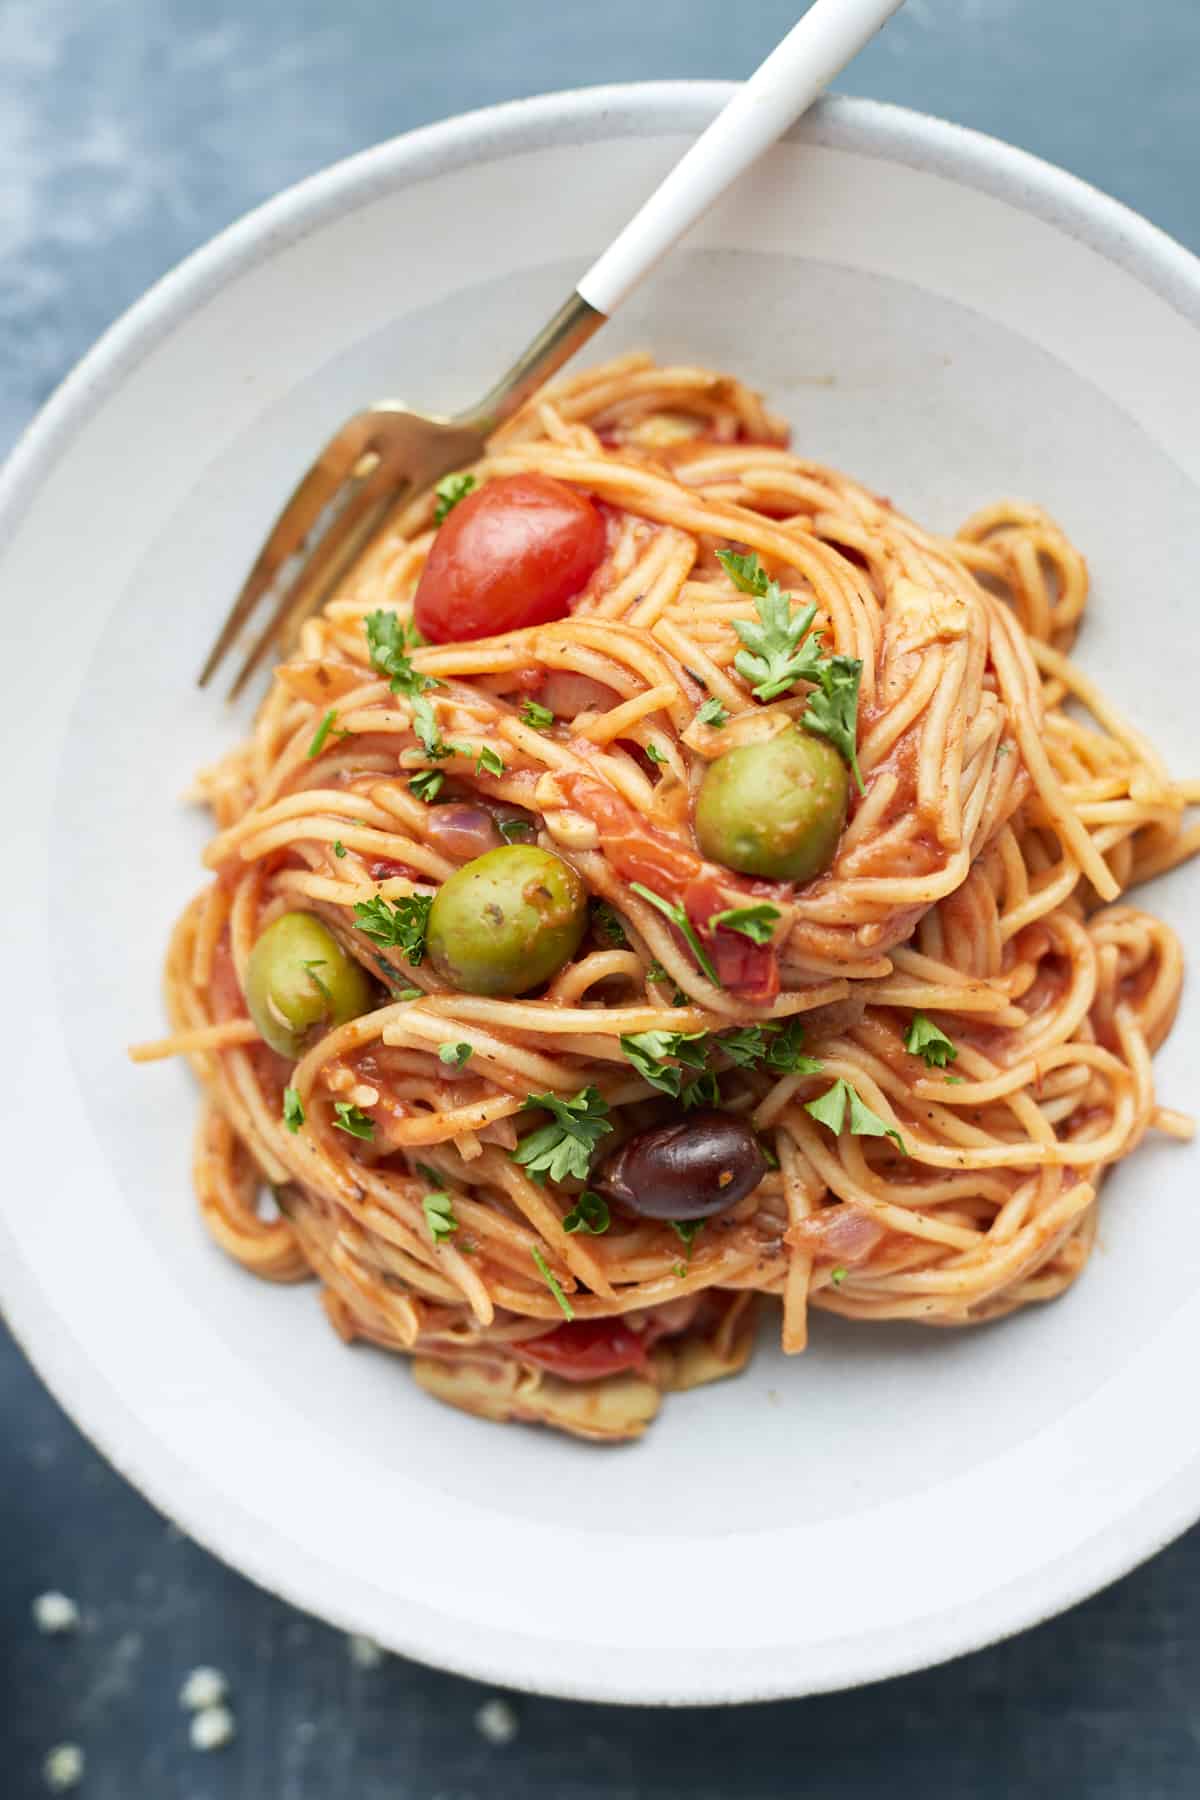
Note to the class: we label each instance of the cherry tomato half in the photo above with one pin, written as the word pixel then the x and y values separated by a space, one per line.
pixel 586 1350
pixel 510 555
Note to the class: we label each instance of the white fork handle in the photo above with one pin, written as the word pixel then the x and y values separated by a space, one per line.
pixel 784 86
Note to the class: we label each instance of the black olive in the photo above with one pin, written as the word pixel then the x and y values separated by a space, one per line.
pixel 689 1168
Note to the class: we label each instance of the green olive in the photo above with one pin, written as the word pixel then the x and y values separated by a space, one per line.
pixel 507 921
pixel 300 980
pixel 775 808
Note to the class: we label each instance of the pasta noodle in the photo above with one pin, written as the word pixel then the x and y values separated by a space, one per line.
pixel 974 899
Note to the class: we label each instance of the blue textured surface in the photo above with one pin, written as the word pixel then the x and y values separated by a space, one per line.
pixel 130 131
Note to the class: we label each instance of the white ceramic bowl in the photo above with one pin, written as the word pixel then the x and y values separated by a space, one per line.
pixel 943 316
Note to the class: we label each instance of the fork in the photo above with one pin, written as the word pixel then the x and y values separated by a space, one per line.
pixel 383 457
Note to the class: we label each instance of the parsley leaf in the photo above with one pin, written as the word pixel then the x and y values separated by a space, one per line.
pixel 538 716
pixel 608 925
pixel 489 762
pixel 322 732
pixel 838 1275
pixel 439 1215
pixel 955 1080
pixel 458 1054
pixel 450 490
pixel 778 649
pixel 832 710
pixel 425 726
pixel 678 1270
pixel 402 925
pixel 745 1046
pixel 746 572
pixel 682 924
pixel 656 972
pixel 548 1277
pixel 385 641
pixel 386 645
pixel 686 1230
pixel 755 922
pixel 339 849
pixel 701 1090
pixel 647 1051
pixel 515 831
pixel 924 1039
pixel 293 1112
pixel 785 1053
pixel 654 753
pixel 564 1147
pixel 427 785
pixel 350 1119
pixel 829 1109
pixel 317 962
pixel 590 1213
pixel 712 713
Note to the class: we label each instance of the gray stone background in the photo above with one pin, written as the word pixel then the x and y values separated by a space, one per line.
pixel 130 131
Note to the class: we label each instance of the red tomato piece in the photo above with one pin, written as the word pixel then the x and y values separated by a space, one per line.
pixel 637 851
pixel 744 967
pixel 586 1350
pixel 512 554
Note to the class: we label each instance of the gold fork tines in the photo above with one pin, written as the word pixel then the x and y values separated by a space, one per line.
pixel 379 460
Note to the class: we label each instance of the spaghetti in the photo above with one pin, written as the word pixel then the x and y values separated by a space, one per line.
pixel 933 1049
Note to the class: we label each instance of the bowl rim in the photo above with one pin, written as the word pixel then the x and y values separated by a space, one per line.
pixel 886 132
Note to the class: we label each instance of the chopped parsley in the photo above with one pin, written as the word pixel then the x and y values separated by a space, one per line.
pixel 608 925
pixel 745 1046
pixel 427 785
pixel 489 762
pixel 701 1090
pixel 458 1054
pixel 389 974
pixel 538 716
pixel 548 1276
pixel 924 1039
pixel 401 925
pixel 426 728
pixel 450 490
pixel 832 710
pixel 322 732
pixel 439 1215
pixel 954 1080
pixel 712 713
pixel 755 922
pixel 317 962
pixel 682 924
pixel 386 643
pixel 590 1213
pixel 513 831
pixel 829 1109
pixel 782 649
pixel 838 1275
pixel 564 1147
pixel 351 1120
pixel 339 849
pixel 785 1052
pixel 293 1112
pixel 654 753
pixel 779 650
pixel 678 1270
pixel 386 639
pixel 648 1051
pixel 686 1230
